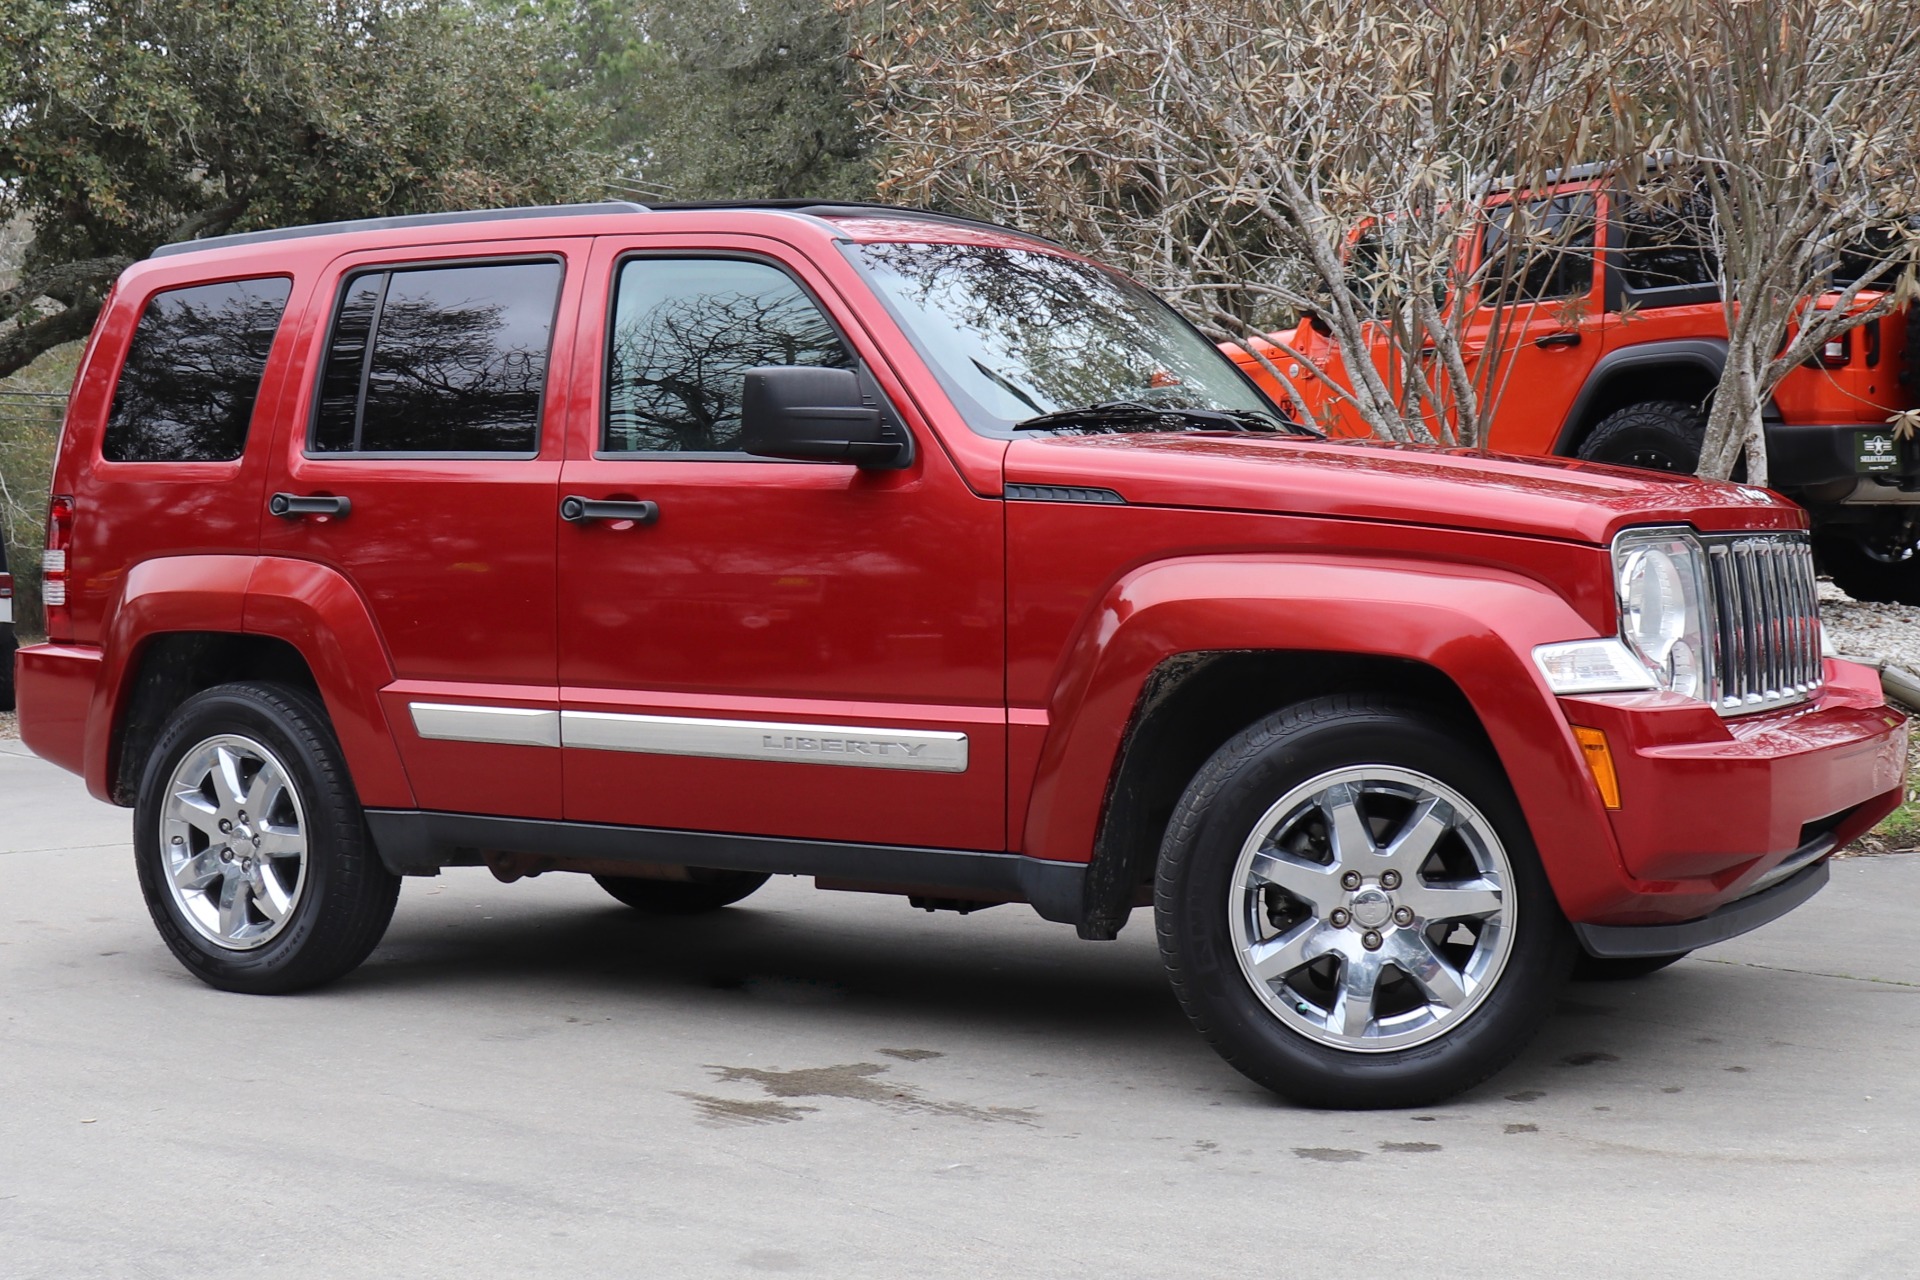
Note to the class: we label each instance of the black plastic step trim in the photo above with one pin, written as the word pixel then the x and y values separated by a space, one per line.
pixel 415 842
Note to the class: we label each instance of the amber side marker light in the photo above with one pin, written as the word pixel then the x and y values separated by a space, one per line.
pixel 1593 745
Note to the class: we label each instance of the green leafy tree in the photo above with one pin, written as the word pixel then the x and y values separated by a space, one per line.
pixel 132 123
pixel 752 99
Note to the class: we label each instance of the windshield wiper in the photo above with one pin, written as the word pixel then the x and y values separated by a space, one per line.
pixel 1132 415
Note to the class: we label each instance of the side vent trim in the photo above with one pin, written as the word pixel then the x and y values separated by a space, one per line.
pixel 1062 493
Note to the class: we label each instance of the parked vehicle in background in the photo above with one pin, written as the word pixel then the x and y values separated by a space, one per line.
pixel 8 641
pixel 683 547
pixel 1615 339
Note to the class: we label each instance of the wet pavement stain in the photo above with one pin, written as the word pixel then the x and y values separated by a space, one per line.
pixel 858 1082
pixel 1527 1095
pixel 1674 1088
pixel 913 1055
pixel 1588 1058
pixel 1415 1148
pixel 735 1111
pixel 1329 1155
pixel 1523 1128
pixel 1738 1070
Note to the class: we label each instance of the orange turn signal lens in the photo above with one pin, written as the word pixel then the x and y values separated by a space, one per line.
pixel 1593 745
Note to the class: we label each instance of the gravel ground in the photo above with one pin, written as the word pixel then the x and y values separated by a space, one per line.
pixel 1888 632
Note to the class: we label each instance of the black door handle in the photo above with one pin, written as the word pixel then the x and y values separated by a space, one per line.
pixel 1565 338
pixel 577 510
pixel 291 506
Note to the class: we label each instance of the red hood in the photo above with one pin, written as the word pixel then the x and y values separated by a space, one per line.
pixel 1410 484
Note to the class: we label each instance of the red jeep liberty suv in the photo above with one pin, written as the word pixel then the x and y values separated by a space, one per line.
pixel 686 546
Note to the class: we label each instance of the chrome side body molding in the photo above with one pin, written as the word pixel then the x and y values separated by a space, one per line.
pixel 855 746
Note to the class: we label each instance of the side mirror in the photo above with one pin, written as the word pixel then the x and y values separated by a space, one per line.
pixel 796 411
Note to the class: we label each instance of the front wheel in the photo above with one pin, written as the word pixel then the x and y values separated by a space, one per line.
pixel 1351 909
pixel 251 845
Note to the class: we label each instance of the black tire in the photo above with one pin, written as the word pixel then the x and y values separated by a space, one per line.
pixel 343 897
pixel 8 644
pixel 1194 892
pixel 1874 577
pixel 1588 968
pixel 708 891
pixel 1659 435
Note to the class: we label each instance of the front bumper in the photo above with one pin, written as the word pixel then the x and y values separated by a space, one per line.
pixel 1712 808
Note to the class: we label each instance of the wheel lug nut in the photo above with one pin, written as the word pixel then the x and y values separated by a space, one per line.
pixel 226 855
pixel 1370 940
pixel 225 826
pixel 1403 917
pixel 1339 918
pixel 1390 880
pixel 1351 880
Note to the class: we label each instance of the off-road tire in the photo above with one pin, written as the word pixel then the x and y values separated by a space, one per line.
pixel 1659 435
pixel 1588 968
pixel 1194 889
pixel 347 898
pixel 709 890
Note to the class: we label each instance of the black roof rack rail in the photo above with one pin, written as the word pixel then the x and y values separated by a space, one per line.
pixel 398 223
pixel 847 208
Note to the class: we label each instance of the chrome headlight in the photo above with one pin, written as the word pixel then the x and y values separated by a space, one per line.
pixel 1660 581
pixel 1660 576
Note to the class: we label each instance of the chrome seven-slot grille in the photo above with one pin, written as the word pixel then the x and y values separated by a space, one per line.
pixel 1766 620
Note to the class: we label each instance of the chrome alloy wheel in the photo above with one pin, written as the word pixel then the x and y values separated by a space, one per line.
pixel 234 840
pixel 1369 908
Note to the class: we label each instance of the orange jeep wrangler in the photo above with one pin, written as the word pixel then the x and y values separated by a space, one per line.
pixel 1615 344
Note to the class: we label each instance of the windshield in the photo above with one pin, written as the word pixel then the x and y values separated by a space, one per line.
pixel 1014 333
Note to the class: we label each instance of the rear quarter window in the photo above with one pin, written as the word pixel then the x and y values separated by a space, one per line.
pixel 187 390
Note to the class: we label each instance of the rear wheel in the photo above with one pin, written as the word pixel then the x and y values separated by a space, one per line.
pixel 708 890
pixel 1660 435
pixel 251 845
pixel 1351 910
pixel 1879 567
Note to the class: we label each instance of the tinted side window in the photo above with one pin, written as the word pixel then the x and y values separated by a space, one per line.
pixel 1551 257
pixel 439 360
pixel 1662 244
pixel 685 332
pixel 193 372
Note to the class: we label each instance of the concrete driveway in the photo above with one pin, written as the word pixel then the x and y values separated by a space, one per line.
pixel 533 1080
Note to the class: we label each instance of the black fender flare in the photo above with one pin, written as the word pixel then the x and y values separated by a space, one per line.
pixel 1708 355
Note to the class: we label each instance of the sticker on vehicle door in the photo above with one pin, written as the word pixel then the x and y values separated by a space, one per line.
pixel 1874 452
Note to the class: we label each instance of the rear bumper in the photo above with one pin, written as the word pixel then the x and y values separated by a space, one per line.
pixel 1712 808
pixel 1818 463
pixel 54 687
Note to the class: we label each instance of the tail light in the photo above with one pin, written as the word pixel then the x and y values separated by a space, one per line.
pixel 53 568
pixel 1837 351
